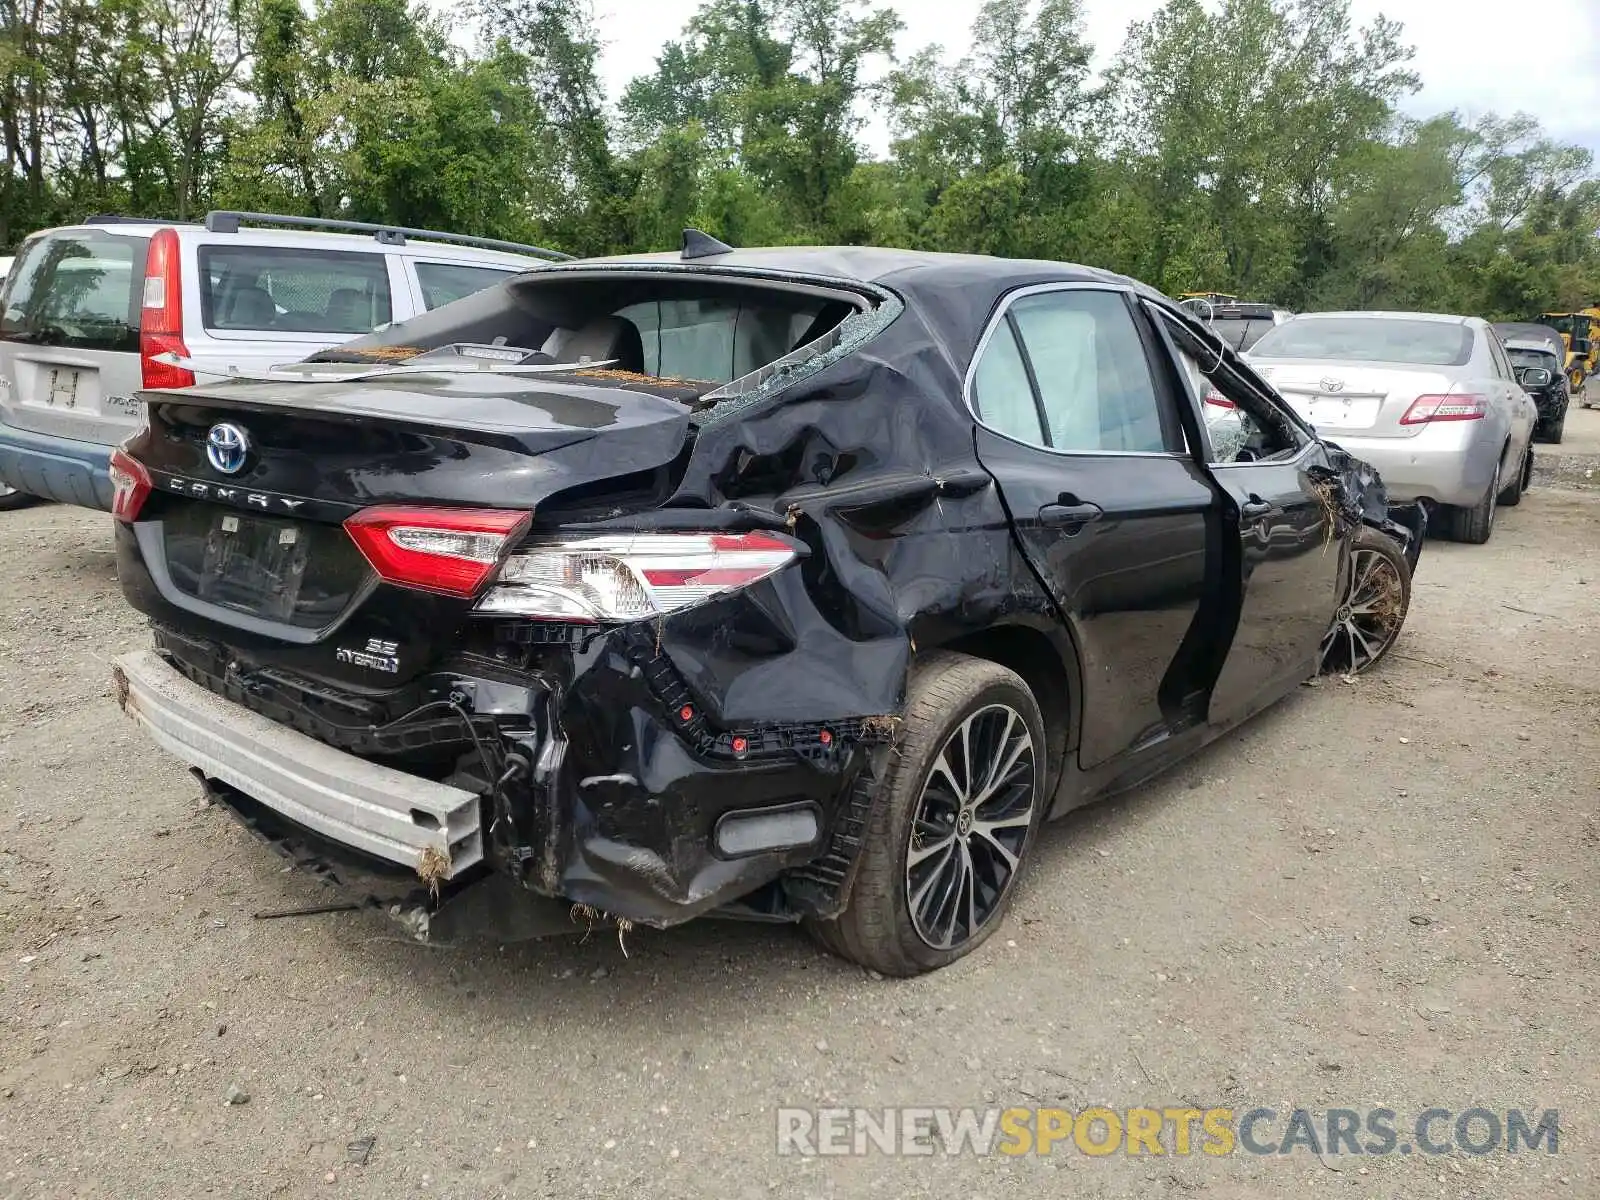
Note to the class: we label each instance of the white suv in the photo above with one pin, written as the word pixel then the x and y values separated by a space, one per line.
pixel 87 308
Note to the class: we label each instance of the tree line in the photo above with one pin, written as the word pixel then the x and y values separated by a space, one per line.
pixel 1257 148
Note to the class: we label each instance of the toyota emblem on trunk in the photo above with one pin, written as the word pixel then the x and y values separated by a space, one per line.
pixel 1329 385
pixel 227 447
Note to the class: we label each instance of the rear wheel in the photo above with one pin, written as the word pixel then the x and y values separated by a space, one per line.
pixel 1377 595
pixel 11 498
pixel 1553 432
pixel 1475 524
pixel 962 802
pixel 1512 495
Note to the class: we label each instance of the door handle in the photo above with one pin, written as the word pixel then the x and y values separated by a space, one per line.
pixel 1071 511
pixel 1254 508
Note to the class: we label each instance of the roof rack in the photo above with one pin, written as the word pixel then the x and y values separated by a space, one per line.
pixel 225 221
pixel 119 219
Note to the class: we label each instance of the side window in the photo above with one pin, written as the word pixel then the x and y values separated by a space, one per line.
pixel 1235 432
pixel 445 283
pixel 1497 355
pixel 281 290
pixel 1093 377
pixel 1001 393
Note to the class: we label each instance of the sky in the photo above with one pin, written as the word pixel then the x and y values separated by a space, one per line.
pixel 1472 55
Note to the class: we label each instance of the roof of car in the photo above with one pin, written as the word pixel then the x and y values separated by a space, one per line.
pixel 875 264
pixel 1449 318
pixel 301 239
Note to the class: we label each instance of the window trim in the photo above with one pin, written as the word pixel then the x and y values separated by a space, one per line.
pixel 1002 313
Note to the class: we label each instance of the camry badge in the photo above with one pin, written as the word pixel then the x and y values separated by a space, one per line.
pixel 227 446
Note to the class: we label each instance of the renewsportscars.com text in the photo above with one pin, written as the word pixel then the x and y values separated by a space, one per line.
pixel 1167 1130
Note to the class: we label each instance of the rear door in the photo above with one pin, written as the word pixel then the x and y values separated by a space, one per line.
pixel 254 304
pixel 1082 436
pixel 1521 412
pixel 69 335
pixel 1283 556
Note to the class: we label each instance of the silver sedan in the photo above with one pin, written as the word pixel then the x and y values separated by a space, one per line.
pixel 1432 401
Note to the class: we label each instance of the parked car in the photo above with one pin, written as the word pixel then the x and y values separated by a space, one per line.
pixel 1241 325
pixel 89 308
pixel 1537 353
pixel 1431 401
pixel 792 584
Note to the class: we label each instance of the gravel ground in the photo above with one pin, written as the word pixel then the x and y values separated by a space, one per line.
pixel 1380 893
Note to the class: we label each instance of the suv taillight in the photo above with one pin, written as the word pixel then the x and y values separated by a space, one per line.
pixel 1425 409
pixel 161 321
pixel 631 577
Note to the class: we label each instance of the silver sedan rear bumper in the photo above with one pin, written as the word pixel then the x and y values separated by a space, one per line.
pixel 389 814
pixel 1448 462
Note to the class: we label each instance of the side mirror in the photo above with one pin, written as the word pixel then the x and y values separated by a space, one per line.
pixel 1536 377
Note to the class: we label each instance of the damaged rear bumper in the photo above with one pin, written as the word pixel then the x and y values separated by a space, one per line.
pixel 584 797
pixel 430 827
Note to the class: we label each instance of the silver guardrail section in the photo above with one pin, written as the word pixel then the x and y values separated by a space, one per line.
pixel 431 827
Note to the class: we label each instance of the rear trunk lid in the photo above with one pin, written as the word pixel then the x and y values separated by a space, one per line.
pixel 259 550
pixel 1361 400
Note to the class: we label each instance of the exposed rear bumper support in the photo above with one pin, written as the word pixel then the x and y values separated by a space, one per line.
pixel 376 809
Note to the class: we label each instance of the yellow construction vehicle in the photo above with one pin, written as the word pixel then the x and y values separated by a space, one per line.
pixel 1580 331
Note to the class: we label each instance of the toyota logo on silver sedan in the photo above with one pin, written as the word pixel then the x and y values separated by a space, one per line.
pixel 227 446
pixel 1333 385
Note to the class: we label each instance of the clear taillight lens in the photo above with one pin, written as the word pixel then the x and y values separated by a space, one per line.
pixel 632 577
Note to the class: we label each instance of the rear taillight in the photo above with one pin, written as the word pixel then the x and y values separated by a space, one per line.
pixel 130 486
pixel 161 319
pixel 1425 409
pixel 1217 400
pixel 452 551
pixel 632 577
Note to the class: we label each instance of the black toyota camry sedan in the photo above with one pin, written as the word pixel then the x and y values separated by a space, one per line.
pixel 791 584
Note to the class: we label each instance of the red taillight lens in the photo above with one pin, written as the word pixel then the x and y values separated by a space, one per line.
pixel 130 484
pixel 161 319
pixel 631 577
pixel 1425 409
pixel 1217 400
pixel 452 551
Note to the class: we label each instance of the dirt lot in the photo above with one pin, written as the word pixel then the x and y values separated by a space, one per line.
pixel 1377 894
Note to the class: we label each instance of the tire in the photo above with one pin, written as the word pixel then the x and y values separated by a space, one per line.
pixel 877 929
pixel 1373 607
pixel 1474 525
pixel 1511 496
pixel 10 498
pixel 1554 432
